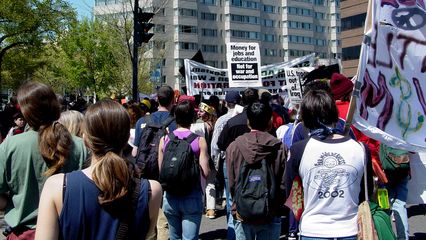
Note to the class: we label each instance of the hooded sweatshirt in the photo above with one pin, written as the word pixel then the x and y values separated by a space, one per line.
pixel 253 147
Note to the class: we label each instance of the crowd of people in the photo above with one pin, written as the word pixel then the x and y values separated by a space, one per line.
pixel 151 169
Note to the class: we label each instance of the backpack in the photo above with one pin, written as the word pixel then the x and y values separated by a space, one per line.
pixel 147 157
pixel 180 170
pixel 255 191
pixel 394 159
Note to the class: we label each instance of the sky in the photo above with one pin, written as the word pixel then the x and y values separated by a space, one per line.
pixel 83 7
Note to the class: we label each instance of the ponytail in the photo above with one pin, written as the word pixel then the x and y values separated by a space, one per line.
pixel 55 143
pixel 112 176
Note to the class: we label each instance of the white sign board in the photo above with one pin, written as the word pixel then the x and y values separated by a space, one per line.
pixel 243 64
pixel 294 86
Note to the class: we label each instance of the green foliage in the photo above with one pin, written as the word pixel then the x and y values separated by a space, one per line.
pixel 25 26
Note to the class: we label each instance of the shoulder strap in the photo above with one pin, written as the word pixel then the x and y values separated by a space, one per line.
pixel 171 135
pixel 191 138
pixel 168 121
pixel 123 227
pixel 64 187
pixel 148 120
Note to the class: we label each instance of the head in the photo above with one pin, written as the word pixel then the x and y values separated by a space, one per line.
pixel 165 96
pixel 341 87
pixel 259 116
pixel 317 85
pixel 214 101
pixel 41 110
pixel 265 96
pixel 106 132
pixel 250 96
pixel 232 98
pixel 135 112
pixel 318 106
pixel 184 114
pixel 206 112
pixel 73 121
pixel 19 120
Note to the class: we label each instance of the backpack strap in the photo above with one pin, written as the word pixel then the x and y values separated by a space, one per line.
pixel 148 120
pixel 168 121
pixel 191 138
pixel 123 227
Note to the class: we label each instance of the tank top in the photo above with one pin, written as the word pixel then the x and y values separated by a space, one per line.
pixel 82 216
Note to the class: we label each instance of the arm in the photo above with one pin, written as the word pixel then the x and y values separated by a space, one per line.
pixel 138 133
pixel 160 153
pixel 155 198
pixel 49 209
pixel 204 157
pixel 231 170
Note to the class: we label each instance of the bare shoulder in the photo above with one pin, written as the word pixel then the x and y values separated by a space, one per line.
pixel 54 182
pixel 156 189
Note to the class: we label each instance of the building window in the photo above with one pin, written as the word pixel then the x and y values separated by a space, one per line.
pixel 208 16
pixel 269 38
pixel 208 2
pixel 270 52
pixel 299 25
pixel 186 12
pixel 319 2
pixel 209 32
pixel 188 46
pixel 210 48
pixel 245 4
pixel 244 19
pixel 269 8
pixel 351 53
pixel 319 15
pixel 212 63
pixel 244 34
pixel 299 11
pixel 268 23
pixel 159 28
pixel 299 39
pixel 187 29
pixel 319 28
pixel 352 22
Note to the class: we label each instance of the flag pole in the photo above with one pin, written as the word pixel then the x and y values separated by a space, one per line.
pixel 352 105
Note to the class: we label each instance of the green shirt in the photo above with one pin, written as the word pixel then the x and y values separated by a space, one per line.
pixel 21 175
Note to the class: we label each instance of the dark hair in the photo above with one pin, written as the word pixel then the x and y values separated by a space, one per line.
pixel 107 130
pixel 250 95
pixel 259 116
pixel 317 85
pixel 165 96
pixel 266 97
pixel 40 108
pixel 318 105
pixel 135 112
pixel 184 114
pixel 214 101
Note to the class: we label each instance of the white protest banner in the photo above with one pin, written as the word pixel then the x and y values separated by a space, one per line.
pixel 273 75
pixel 294 78
pixel 243 64
pixel 390 102
pixel 417 184
pixel 207 80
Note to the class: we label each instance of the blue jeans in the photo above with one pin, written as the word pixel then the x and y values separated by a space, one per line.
pixel 184 215
pixel 398 198
pixel 230 233
pixel 270 231
pixel 340 238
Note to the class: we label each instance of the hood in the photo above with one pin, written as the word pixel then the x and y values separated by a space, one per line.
pixel 255 146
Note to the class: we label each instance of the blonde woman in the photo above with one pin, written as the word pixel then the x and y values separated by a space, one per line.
pixel 72 120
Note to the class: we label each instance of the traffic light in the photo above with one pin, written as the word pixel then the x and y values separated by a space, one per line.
pixel 143 25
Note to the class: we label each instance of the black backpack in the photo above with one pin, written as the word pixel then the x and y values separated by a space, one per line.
pixel 147 157
pixel 255 191
pixel 180 170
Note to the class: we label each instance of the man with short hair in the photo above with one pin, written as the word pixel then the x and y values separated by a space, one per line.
pixel 252 148
pixel 165 96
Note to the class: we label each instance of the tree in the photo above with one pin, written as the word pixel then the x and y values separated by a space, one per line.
pixel 27 25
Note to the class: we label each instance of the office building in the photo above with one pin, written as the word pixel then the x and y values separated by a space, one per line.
pixel 353 13
pixel 285 29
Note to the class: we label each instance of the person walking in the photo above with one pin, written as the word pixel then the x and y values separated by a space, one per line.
pixel 27 159
pixel 184 212
pixel 331 168
pixel 261 153
pixel 93 202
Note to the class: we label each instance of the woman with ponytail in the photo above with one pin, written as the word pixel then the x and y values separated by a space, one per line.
pixel 95 202
pixel 28 159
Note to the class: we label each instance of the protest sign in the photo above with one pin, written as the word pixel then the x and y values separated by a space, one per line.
pixel 294 86
pixel 207 80
pixel 243 64
pixel 389 99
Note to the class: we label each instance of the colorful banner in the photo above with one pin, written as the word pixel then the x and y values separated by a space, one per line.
pixel 207 80
pixel 243 64
pixel 390 101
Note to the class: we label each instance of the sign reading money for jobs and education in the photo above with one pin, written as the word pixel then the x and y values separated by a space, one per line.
pixel 295 78
pixel 243 64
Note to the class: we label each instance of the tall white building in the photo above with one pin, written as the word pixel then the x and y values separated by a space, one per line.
pixel 285 29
